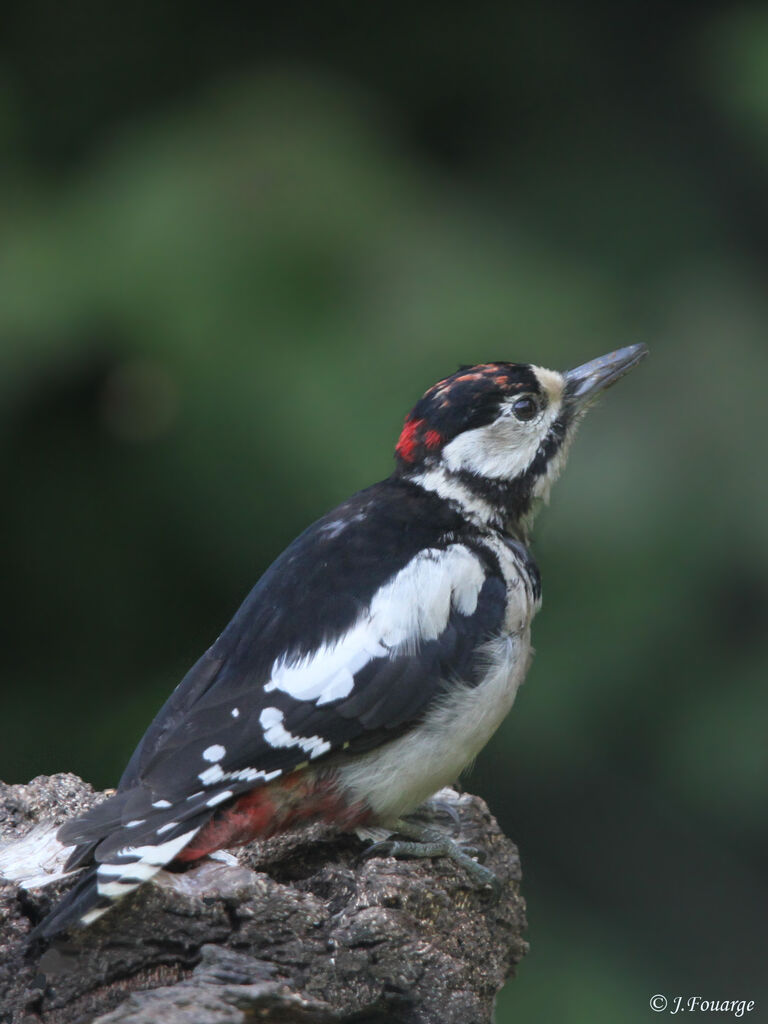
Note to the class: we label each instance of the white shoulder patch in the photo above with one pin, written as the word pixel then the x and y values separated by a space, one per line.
pixel 411 609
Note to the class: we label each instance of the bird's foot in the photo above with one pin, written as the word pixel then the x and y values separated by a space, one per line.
pixel 422 841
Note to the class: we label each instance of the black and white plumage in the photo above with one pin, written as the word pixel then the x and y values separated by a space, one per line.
pixel 373 659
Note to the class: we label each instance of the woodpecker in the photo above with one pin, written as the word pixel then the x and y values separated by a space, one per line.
pixel 371 662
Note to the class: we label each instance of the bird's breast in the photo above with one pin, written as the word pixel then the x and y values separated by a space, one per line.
pixel 395 778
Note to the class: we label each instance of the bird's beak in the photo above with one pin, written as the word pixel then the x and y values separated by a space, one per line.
pixel 584 383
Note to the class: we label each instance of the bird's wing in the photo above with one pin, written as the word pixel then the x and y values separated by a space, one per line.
pixel 353 691
pixel 340 645
pixel 234 724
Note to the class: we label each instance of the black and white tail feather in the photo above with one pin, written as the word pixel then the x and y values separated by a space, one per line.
pixel 122 865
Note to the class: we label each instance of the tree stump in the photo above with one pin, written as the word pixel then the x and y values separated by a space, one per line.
pixel 301 928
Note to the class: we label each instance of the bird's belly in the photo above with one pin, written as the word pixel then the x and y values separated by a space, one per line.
pixel 396 778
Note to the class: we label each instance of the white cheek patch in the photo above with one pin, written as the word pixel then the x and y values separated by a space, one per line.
pixel 409 610
pixel 499 451
pixel 504 449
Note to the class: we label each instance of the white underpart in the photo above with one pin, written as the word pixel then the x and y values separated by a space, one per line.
pixel 276 735
pixel 396 778
pixel 409 610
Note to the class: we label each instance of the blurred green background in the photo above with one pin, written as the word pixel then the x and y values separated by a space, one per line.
pixel 237 244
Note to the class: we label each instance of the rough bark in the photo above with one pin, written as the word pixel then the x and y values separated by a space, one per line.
pixel 300 929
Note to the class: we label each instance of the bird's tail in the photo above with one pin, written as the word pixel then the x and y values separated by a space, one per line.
pixel 81 901
pixel 124 842
pixel 124 861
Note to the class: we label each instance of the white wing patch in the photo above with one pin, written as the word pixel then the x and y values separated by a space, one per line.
pixel 328 674
pixel 409 610
pixel 254 775
pixel 277 735
pixel 211 775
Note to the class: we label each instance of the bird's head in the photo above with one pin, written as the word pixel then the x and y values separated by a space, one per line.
pixel 495 436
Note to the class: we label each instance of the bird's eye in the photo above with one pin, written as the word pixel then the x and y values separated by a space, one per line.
pixel 525 408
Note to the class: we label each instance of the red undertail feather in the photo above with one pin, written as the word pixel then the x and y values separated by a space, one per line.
pixel 260 813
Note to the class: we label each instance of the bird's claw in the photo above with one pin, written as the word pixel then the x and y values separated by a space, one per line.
pixel 382 848
pixel 424 842
pixel 445 807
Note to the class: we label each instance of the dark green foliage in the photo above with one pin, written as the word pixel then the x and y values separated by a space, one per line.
pixel 233 256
